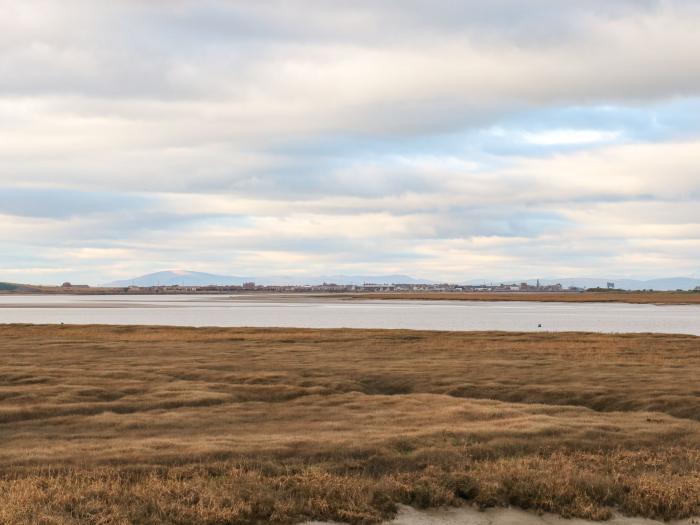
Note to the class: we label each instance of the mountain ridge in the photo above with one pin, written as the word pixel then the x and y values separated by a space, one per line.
pixel 191 278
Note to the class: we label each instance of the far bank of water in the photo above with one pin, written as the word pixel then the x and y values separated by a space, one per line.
pixel 314 312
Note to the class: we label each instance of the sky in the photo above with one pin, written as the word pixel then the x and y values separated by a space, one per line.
pixel 450 140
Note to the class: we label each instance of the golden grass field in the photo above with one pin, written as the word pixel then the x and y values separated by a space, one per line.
pixel 152 425
pixel 547 297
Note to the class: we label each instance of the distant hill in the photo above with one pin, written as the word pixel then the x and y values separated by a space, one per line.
pixel 189 278
pixel 16 288
pixel 181 277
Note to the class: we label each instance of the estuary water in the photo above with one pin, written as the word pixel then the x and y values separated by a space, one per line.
pixel 314 312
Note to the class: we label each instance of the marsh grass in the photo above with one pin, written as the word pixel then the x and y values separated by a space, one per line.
pixel 112 425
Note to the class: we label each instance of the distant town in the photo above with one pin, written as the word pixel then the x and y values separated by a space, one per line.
pixel 249 287
pixel 350 288
pixel 323 288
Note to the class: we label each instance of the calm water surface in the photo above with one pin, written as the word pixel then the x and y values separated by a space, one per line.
pixel 310 312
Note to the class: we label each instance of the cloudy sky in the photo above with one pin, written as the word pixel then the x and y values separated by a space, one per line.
pixel 448 140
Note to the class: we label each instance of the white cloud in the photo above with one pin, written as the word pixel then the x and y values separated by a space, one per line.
pixel 313 134
pixel 555 137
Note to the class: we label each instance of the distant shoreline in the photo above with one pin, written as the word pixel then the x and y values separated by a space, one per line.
pixel 631 297
pixel 547 297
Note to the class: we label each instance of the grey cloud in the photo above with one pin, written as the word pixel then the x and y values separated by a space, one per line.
pixel 65 203
pixel 215 84
pixel 354 126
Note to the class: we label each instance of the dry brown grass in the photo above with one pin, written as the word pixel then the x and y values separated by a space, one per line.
pixel 179 425
pixel 548 297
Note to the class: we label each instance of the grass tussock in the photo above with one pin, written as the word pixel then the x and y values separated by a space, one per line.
pixel 117 425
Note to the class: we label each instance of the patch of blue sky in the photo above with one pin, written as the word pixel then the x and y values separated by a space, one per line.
pixel 535 132
pixel 467 222
pixel 223 220
pixel 60 203
pixel 559 130
pixel 663 120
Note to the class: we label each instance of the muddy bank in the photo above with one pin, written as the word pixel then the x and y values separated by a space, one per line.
pixel 500 516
